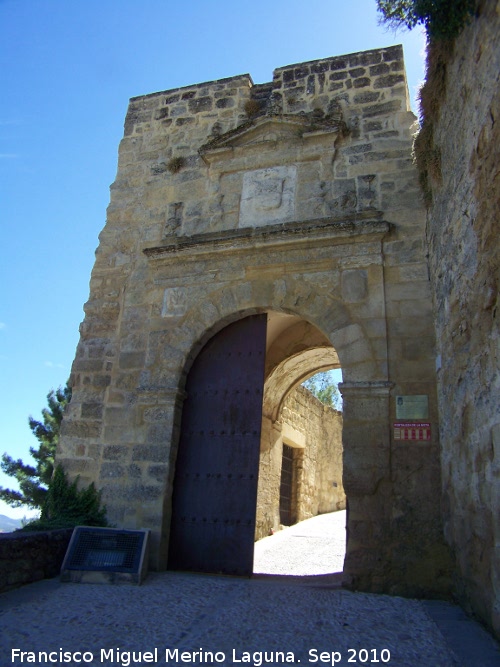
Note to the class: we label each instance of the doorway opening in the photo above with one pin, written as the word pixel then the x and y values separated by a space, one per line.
pixel 306 531
pixel 288 484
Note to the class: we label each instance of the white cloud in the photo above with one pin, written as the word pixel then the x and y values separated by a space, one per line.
pixel 8 156
pixel 3 325
pixel 51 364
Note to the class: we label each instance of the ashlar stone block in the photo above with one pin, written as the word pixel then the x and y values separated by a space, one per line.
pixel 354 285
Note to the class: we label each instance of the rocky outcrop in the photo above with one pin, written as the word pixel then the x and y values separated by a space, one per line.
pixel 463 235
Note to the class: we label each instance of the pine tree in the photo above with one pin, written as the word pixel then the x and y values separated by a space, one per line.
pixel 34 480
pixel 65 505
pixel 325 389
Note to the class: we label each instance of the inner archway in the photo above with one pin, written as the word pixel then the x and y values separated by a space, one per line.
pixel 300 472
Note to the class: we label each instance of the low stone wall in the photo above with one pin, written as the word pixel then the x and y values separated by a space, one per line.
pixel 28 557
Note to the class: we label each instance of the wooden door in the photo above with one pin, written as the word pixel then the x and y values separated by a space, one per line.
pixel 215 484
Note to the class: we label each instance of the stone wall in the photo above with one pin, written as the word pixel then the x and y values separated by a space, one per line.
pixel 314 430
pixel 464 257
pixel 29 557
pixel 297 198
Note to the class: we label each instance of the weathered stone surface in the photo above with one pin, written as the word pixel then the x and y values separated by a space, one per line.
pixel 354 285
pixel 115 452
pixel 465 278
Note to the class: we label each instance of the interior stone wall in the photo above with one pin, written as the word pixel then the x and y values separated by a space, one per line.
pixel 463 235
pixel 315 430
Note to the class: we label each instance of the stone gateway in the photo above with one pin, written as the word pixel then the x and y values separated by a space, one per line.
pixel 294 204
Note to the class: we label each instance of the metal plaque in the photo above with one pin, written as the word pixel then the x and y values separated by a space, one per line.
pixel 106 555
pixel 412 407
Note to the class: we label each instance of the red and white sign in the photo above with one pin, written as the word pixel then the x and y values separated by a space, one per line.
pixel 412 431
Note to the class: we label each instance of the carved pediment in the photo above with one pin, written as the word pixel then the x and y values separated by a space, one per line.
pixel 260 130
pixel 267 131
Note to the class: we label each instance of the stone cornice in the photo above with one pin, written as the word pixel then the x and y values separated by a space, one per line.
pixel 358 228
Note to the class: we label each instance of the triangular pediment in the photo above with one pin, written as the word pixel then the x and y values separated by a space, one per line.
pixel 262 130
pixel 266 131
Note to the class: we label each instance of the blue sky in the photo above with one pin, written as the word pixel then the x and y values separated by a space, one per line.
pixel 67 70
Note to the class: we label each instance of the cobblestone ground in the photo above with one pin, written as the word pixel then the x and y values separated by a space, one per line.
pixel 176 618
pixel 315 546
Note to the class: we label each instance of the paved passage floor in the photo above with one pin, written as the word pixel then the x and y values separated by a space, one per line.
pixel 177 619
pixel 315 546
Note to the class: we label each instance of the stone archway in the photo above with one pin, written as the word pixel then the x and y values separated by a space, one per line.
pixel 296 349
pixel 310 209
pixel 294 421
